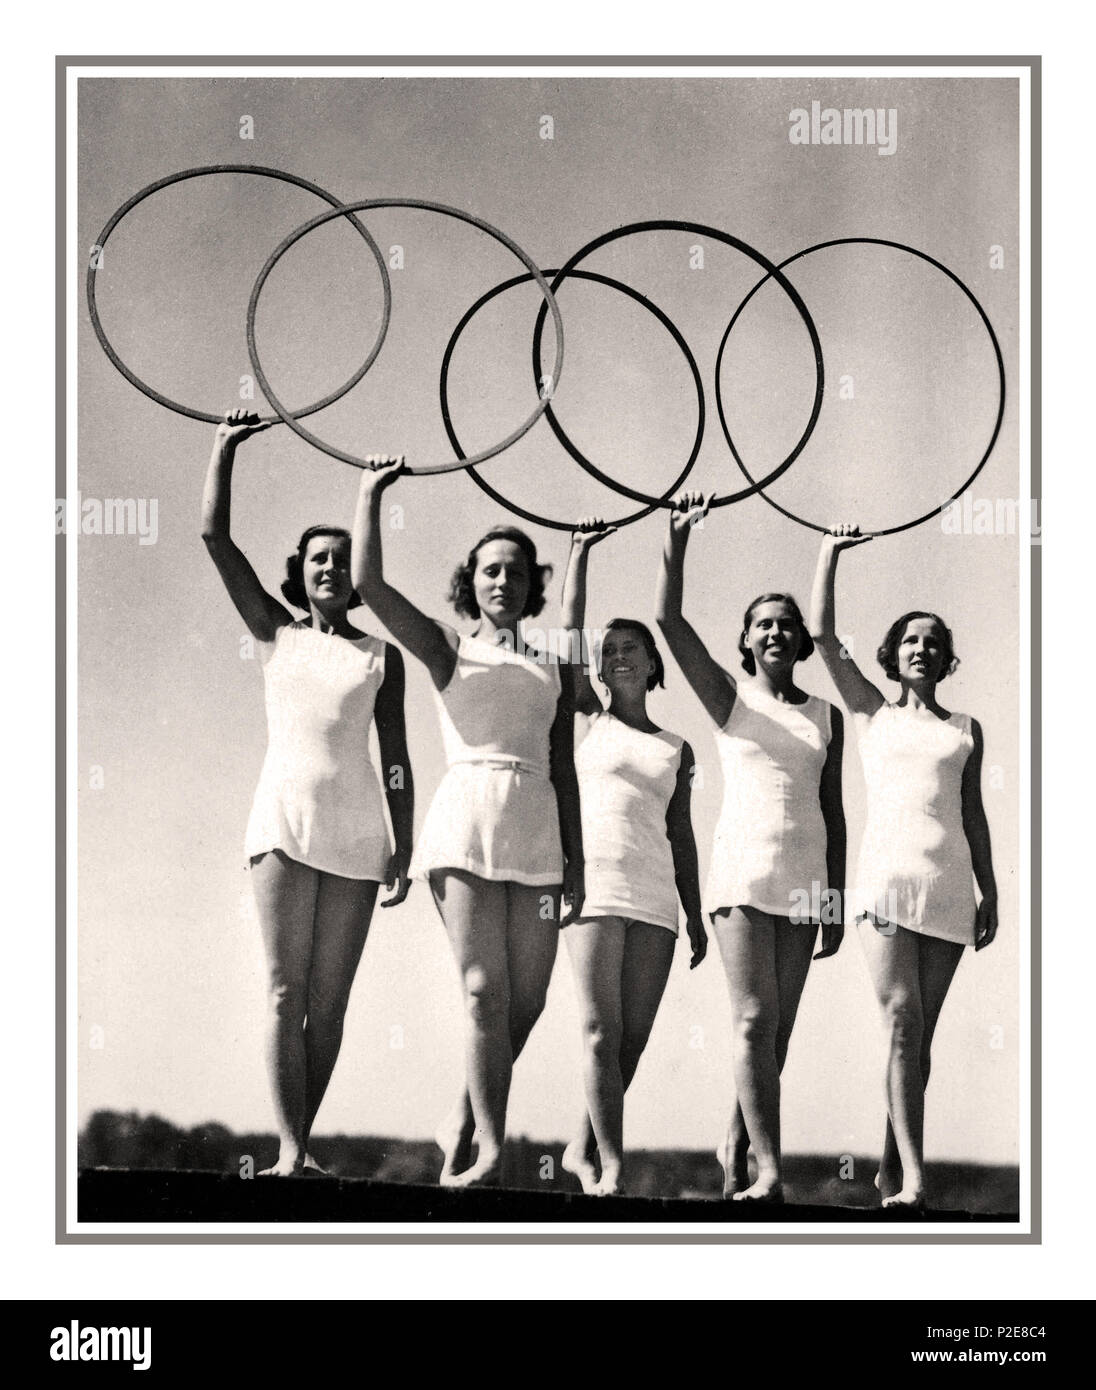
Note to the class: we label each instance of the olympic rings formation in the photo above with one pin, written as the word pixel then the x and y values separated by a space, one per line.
pixel 151 188
pixel 543 407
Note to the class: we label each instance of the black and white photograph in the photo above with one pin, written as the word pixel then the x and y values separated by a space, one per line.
pixel 549 649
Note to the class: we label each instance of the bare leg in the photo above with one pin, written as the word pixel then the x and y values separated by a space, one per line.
pixel 894 966
pixel 648 955
pixel 733 1154
pixel 793 958
pixel 596 949
pixel 938 963
pixel 285 896
pixel 474 912
pixel 456 1135
pixel 747 945
pixel 765 959
pixel 532 940
pixel 645 968
pixel 344 907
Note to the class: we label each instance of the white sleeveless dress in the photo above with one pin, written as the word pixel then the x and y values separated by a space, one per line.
pixel 494 813
pixel 626 778
pixel 914 867
pixel 770 841
pixel 318 797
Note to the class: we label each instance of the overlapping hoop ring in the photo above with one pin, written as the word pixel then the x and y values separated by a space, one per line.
pixel 772 272
pixel 664 319
pixel 898 246
pixel 426 206
pixel 310 187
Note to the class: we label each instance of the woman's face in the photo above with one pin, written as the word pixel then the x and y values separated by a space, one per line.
pixel 921 652
pixel 773 637
pixel 501 581
pixel 326 567
pixel 625 666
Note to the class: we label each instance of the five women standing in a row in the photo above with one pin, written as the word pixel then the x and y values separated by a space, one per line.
pixel 557 810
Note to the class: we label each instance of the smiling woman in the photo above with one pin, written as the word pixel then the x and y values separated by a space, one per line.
pixel 925 844
pixel 501 843
pixel 635 785
pixel 779 840
pixel 316 839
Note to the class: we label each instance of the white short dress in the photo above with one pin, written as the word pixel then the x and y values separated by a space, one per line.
pixel 914 868
pixel 626 778
pixel 494 813
pixel 770 840
pixel 318 798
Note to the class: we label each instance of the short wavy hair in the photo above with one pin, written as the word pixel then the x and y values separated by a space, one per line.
pixel 806 641
pixel 293 583
pixel 658 675
pixel 462 592
pixel 887 655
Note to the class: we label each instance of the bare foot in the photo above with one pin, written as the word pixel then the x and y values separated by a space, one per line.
pixel 312 1169
pixel 580 1164
pixel 767 1190
pixel 289 1165
pixel 912 1198
pixel 454 1138
pixel 887 1183
pixel 611 1184
pixel 485 1172
pixel 736 1173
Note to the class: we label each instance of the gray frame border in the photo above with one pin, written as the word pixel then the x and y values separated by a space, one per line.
pixel 1034 65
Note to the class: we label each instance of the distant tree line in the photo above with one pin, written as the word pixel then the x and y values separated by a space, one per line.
pixel 117 1139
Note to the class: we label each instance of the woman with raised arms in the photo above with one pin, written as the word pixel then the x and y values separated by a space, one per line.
pixel 502 839
pixel 640 855
pixel 316 840
pixel 925 843
pixel 778 860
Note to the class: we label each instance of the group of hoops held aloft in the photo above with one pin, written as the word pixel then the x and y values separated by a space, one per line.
pixel 565 807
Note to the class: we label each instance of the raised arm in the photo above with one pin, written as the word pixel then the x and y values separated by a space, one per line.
pixel 591 530
pixel 833 813
pixel 561 749
pixel 679 831
pixel 713 686
pixel 434 643
pixel 262 613
pixel 858 693
pixel 399 785
pixel 977 831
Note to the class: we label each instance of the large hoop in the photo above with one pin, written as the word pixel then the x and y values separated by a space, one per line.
pixel 898 246
pixel 131 203
pixel 426 206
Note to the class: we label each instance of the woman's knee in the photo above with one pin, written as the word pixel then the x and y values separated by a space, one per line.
pixel 904 1019
pixel 601 1038
pixel 326 1007
pixel 632 1045
pixel 756 1025
pixel 287 999
pixel 486 997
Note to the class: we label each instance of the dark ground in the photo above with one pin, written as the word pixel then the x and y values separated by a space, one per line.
pixel 135 1142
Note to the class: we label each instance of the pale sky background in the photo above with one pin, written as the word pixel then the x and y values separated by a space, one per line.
pixel 170 959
